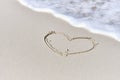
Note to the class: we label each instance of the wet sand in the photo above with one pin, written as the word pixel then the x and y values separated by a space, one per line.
pixel 25 56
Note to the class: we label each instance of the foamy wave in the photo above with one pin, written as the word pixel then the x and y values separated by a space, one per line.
pixel 98 16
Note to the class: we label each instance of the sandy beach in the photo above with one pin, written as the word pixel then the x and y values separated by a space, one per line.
pixel 25 56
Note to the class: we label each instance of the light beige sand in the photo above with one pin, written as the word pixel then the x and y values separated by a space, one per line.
pixel 24 55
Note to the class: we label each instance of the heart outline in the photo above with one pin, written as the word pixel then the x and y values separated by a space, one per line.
pixel 66 53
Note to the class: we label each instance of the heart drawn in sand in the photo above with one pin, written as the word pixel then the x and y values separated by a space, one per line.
pixel 66 53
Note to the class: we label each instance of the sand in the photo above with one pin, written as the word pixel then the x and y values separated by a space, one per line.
pixel 25 56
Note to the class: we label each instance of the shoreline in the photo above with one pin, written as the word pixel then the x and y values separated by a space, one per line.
pixel 70 21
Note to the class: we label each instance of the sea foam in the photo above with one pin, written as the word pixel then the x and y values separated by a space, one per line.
pixel 98 16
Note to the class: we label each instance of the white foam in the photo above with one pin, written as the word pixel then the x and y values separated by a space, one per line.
pixel 98 16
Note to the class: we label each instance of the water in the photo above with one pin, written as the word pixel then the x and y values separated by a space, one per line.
pixel 98 16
